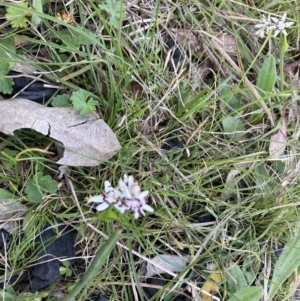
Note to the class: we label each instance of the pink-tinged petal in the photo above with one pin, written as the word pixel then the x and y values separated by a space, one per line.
pixel 109 199
pixel 289 24
pixel 260 33
pixel 136 214
pixel 96 199
pixel 122 185
pixel 277 31
pixel 121 207
pixel 130 181
pixel 125 190
pixel 275 20
pixel 259 25
pixel 107 187
pixel 270 28
pixel 283 17
pixel 119 193
pixel 143 194
pixel 148 208
pixel 102 207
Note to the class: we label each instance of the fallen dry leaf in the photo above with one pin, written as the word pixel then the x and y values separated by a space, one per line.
pixel 87 140
pixel 193 40
pixel 227 42
pixel 278 142
pixel 292 67
pixel 10 212
pixel 172 263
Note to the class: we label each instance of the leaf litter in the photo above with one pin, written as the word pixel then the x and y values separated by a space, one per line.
pixel 87 140
pixel 278 142
pixel 10 211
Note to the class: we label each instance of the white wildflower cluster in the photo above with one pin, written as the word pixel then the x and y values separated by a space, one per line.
pixel 127 197
pixel 273 23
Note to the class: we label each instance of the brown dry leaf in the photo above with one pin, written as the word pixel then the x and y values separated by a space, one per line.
pixel 194 41
pixel 87 140
pixel 227 42
pixel 23 67
pixel 10 211
pixel 20 41
pixel 278 142
pixel 188 39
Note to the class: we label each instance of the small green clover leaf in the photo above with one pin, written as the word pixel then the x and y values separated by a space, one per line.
pixel 37 187
pixel 65 269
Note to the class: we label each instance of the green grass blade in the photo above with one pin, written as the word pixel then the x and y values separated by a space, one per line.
pixel 35 19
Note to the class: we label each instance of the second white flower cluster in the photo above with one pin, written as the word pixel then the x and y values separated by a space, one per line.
pixel 271 23
pixel 127 197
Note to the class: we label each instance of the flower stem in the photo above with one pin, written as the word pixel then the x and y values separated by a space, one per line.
pixel 282 51
pixel 100 258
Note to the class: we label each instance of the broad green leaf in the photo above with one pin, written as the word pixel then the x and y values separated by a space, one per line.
pixel 233 128
pixel 252 293
pixel 38 5
pixel 267 76
pixel 7 157
pixel 33 192
pixel 229 98
pixel 6 195
pixel 72 39
pixel 7 58
pixel 236 279
pixel 251 266
pixel 7 52
pixel 262 178
pixel 108 215
pixel 288 261
pixel 7 296
pixel 5 85
pixel 39 186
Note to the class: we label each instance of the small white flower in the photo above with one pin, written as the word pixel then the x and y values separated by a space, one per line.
pixel 133 197
pixel 105 200
pixel 272 23
pixel 128 197
pixel 265 26
pixel 281 25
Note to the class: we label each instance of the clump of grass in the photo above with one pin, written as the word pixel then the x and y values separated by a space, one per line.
pixel 120 57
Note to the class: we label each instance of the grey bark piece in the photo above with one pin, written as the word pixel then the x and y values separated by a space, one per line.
pixel 87 140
